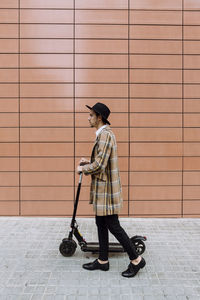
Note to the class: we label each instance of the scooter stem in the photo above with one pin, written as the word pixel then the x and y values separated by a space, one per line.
pixel 76 200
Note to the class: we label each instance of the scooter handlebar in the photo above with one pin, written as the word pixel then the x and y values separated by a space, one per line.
pixel 80 177
pixel 83 163
pixel 81 173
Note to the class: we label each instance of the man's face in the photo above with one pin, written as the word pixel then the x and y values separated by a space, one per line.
pixel 93 119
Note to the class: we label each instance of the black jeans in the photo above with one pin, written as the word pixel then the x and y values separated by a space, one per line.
pixel 111 223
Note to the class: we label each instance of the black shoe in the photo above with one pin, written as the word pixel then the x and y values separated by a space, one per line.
pixel 95 265
pixel 133 269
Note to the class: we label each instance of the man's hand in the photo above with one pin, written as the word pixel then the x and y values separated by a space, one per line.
pixel 83 161
pixel 79 169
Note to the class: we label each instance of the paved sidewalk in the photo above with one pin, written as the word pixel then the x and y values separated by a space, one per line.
pixel 31 267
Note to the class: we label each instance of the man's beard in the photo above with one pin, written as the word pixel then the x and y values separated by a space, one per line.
pixel 91 125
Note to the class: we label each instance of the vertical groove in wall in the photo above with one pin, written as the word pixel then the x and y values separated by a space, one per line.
pixel 128 107
pixel 74 94
pixel 19 154
pixel 182 196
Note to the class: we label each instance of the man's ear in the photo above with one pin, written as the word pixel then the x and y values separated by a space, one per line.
pixel 99 117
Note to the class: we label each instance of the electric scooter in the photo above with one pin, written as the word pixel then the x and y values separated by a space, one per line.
pixel 68 246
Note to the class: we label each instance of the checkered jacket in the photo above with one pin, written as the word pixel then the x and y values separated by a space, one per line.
pixel 105 192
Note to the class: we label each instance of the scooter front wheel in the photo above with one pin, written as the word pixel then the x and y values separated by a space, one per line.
pixel 139 245
pixel 67 247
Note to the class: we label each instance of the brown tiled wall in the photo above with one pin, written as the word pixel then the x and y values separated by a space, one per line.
pixel 142 58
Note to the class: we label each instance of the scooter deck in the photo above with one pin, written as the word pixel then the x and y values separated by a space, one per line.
pixel 94 247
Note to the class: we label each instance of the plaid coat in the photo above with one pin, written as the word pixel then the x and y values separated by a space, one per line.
pixel 105 191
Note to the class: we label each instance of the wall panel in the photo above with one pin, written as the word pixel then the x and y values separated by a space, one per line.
pixel 46 107
pixel 9 109
pixel 156 5
pixel 101 74
pixel 155 108
pixel 191 162
pixel 48 4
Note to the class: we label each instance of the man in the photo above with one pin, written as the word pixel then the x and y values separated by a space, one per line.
pixel 105 193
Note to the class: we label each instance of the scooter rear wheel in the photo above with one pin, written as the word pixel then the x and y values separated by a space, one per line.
pixel 68 247
pixel 139 245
